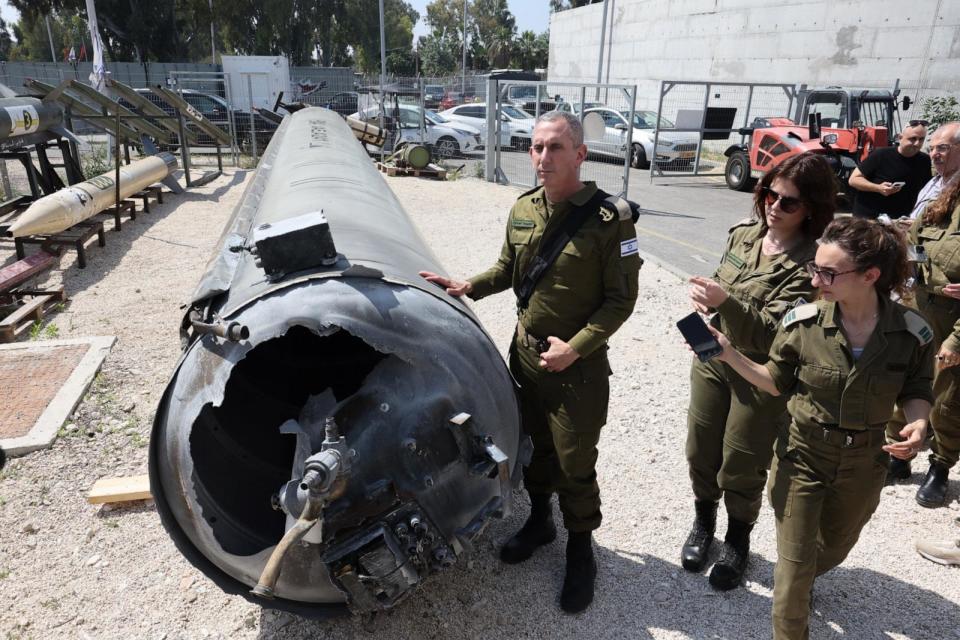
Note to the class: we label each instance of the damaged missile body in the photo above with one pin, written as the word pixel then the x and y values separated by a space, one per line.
pixel 337 429
pixel 68 206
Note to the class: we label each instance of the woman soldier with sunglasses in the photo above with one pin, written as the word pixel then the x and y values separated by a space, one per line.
pixel 937 231
pixel 730 425
pixel 843 362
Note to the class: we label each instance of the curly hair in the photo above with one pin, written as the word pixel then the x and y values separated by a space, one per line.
pixel 872 244
pixel 818 186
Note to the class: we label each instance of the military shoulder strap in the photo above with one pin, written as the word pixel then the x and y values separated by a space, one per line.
pixel 623 209
pixel 743 223
pixel 529 192
pixel 552 245
pixel 918 326
pixel 802 312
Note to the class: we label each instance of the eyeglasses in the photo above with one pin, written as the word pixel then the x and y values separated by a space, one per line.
pixel 788 204
pixel 941 148
pixel 918 123
pixel 826 276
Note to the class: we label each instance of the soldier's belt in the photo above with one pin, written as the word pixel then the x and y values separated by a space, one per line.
pixel 530 341
pixel 843 438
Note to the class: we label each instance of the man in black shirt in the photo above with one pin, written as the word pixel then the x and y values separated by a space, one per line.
pixel 889 180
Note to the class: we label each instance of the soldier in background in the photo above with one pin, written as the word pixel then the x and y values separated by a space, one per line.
pixel 559 351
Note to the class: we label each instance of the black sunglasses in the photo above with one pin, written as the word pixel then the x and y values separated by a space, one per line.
pixel 788 204
pixel 921 123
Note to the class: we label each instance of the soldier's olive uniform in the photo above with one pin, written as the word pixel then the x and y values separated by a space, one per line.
pixel 582 299
pixel 942 245
pixel 731 425
pixel 828 474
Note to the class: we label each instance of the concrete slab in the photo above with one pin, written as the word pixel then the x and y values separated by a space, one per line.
pixel 64 400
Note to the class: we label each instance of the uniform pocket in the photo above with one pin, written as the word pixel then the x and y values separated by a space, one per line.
pixel 883 391
pixel 821 378
pixel 727 273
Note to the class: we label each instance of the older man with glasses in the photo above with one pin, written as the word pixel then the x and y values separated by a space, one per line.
pixel 889 180
pixel 945 155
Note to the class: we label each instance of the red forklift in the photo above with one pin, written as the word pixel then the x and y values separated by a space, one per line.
pixel 844 125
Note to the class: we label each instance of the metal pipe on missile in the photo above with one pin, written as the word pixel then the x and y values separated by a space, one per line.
pixel 61 210
pixel 317 274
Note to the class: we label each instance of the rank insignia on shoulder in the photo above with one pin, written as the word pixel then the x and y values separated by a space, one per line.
pixel 616 207
pixel 802 312
pixel 522 223
pixel 743 223
pixel 918 326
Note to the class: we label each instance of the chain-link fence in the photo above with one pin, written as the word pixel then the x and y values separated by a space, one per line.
pixel 696 122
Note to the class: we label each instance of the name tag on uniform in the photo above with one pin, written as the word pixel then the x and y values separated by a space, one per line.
pixel 735 260
pixel 522 223
pixel 629 247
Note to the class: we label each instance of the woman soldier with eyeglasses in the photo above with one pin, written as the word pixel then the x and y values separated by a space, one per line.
pixel 843 362
pixel 936 235
pixel 730 425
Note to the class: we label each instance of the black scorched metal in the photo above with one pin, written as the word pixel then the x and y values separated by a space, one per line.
pixel 337 428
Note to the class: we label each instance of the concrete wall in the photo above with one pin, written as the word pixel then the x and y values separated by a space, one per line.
pixel 856 43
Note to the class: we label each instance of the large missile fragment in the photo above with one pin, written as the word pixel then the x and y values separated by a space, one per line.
pixel 336 429
pixel 65 208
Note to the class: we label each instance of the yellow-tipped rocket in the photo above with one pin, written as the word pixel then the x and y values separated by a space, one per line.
pixel 61 210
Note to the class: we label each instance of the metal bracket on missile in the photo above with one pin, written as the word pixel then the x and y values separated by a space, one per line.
pixel 294 244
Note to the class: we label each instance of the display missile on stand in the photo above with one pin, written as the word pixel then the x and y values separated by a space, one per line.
pixel 30 120
pixel 61 210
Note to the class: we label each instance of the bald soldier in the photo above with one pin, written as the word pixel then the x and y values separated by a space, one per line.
pixel 570 255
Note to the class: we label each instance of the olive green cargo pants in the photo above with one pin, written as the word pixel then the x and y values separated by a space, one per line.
pixel 823 491
pixel 563 414
pixel 731 427
pixel 941 313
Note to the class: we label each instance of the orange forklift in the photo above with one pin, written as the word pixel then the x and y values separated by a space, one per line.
pixel 844 125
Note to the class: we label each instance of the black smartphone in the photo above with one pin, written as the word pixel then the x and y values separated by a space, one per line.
pixel 695 332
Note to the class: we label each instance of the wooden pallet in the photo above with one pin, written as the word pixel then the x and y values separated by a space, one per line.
pixel 430 171
pixel 40 303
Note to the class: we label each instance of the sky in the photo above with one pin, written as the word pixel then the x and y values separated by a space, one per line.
pixel 532 15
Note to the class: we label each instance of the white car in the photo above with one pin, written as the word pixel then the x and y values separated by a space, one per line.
pixel 445 137
pixel 672 148
pixel 475 115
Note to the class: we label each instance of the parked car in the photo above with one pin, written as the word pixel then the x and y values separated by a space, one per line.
pixel 446 138
pixel 451 99
pixel 344 103
pixel 524 96
pixel 475 115
pixel 672 148
pixel 218 112
pixel 574 107
pixel 521 125
pixel 432 95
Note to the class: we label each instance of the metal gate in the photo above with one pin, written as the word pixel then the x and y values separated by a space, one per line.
pixel 513 105
pixel 697 121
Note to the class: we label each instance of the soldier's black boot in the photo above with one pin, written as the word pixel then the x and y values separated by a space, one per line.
pixel 933 491
pixel 693 556
pixel 728 572
pixel 898 469
pixel 537 531
pixel 577 592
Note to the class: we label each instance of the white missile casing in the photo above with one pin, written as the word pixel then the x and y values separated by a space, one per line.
pixel 61 210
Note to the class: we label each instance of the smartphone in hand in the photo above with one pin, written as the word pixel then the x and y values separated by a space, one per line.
pixel 698 336
pixel 899 184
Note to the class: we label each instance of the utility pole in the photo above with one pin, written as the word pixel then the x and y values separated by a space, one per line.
pixel 213 43
pixel 463 70
pixel 53 54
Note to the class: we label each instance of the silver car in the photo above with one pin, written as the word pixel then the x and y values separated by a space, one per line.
pixel 672 148
pixel 447 138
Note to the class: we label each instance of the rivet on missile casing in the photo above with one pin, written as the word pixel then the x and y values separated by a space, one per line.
pixel 337 429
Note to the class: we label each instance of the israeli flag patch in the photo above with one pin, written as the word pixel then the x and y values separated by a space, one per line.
pixel 629 248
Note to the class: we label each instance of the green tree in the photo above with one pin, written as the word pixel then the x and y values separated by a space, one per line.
pixel 439 55
pixel 6 42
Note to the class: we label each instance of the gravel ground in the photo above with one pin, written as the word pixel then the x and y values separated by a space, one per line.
pixel 69 569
